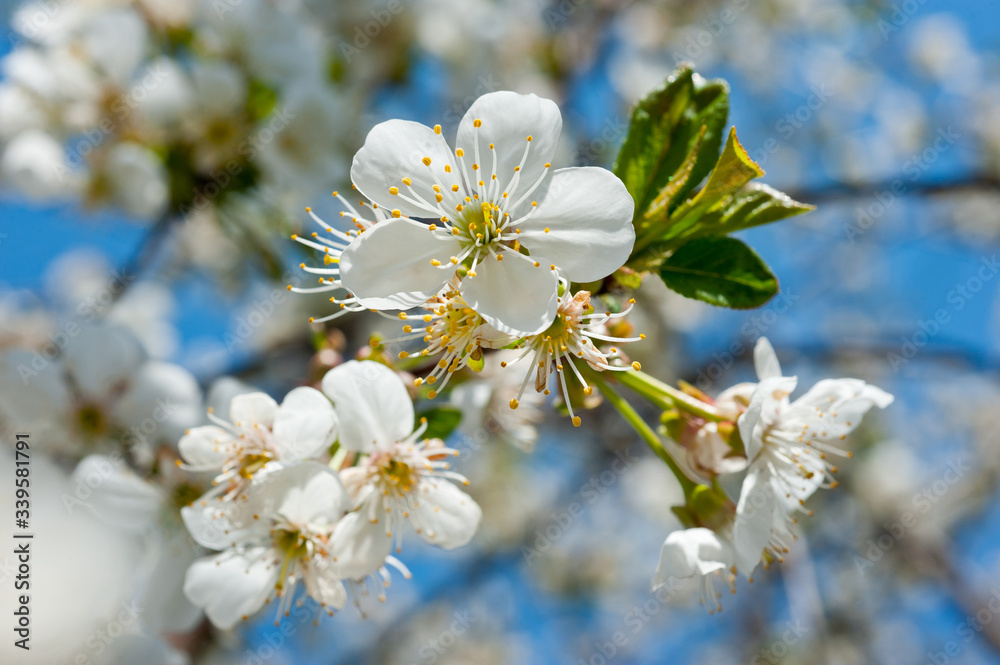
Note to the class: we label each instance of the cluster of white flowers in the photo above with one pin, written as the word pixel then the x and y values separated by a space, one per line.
pixel 283 511
pixel 160 107
pixel 787 446
pixel 485 239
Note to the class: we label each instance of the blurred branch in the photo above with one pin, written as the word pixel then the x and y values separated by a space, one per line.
pixel 905 187
pixel 144 253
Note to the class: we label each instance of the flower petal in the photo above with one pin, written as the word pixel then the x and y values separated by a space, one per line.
pixel 311 494
pixel 118 496
pixel 765 360
pixel 766 399
pixel 754 517
pixel 514 295
pixel 448 517
pixel 323 583
pixel 507 120
pixel 393 260
pixel 359 545
pixel 164 393
pixel 305 425
pixel 689 552
pixel 209 446
pixel 101 358
pixel 232 586
pixel 372 404
pixel 396 149
pixel 251 409
pixel 583 223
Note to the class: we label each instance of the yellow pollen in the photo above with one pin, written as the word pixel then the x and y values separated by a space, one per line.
pixel 403 354
pixel 537 264
pixel 513 403
pixel 460 152
pixel 426 161
pixel 477 123
pixel 447 168
pixel 588 390
pixel 294 236
pixel 432 227
pixel 432 394
pixel 435 263
pixel 548 164
pixel 335 194
pixel 475 167
pixel 402 315
pixel 454 188
pixel 396 212
pixel 407 182
pixel 394 190
pixel 576 421
pixel 491 146
pixel 437 129
pixel 636 366
pixel 546 229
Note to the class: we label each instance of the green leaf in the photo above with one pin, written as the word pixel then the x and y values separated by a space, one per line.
pixel 665 126
pixel 733 170
pixel 720 271
pixel 441 421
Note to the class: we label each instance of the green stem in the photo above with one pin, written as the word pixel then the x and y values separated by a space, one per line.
pixel 668 397
pixel 644 431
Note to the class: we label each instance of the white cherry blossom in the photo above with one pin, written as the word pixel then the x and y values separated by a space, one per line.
pixel 260 435
pixel 277 535
pixel 399 477
pixel 487 201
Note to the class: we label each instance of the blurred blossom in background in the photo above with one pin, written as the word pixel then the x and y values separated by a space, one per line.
pixel 156 154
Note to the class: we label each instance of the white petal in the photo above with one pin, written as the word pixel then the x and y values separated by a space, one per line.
pixel 162 394
pixel 101 358
pixel 32 389
pixel 513 295
pixel 766 399
pixel 232 586
pixel 394 150
pixel 393 260
pixel 754 517
pixel 323 583
pixel 251 409
pixel 508 119
pixel 583 223
pixel 835 407
pixel 208 446
pixel 765 360
pixel 312 494
pixel 358 545
pixel 372 404
pixel 219 525
pixel 690 552
pixel 165 606
pixel 305 426
pixel 448 517
pixel 117 495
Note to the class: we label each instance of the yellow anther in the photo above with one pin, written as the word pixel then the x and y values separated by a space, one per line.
pixel 454 188
pixel 432 227
pixel 475 167
pixel 636 366
pixel 513 403
pixel 460 152
pixel 394 190
pixel 396 212
pixel 447 168
pixel 402 315
pixel 576 421
pixel 530 137
pixel 437 129
pixel 477 123
pixel 546 229
pixel 432 394
pixel 435 263
pixel 403 355
pixel 426 161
